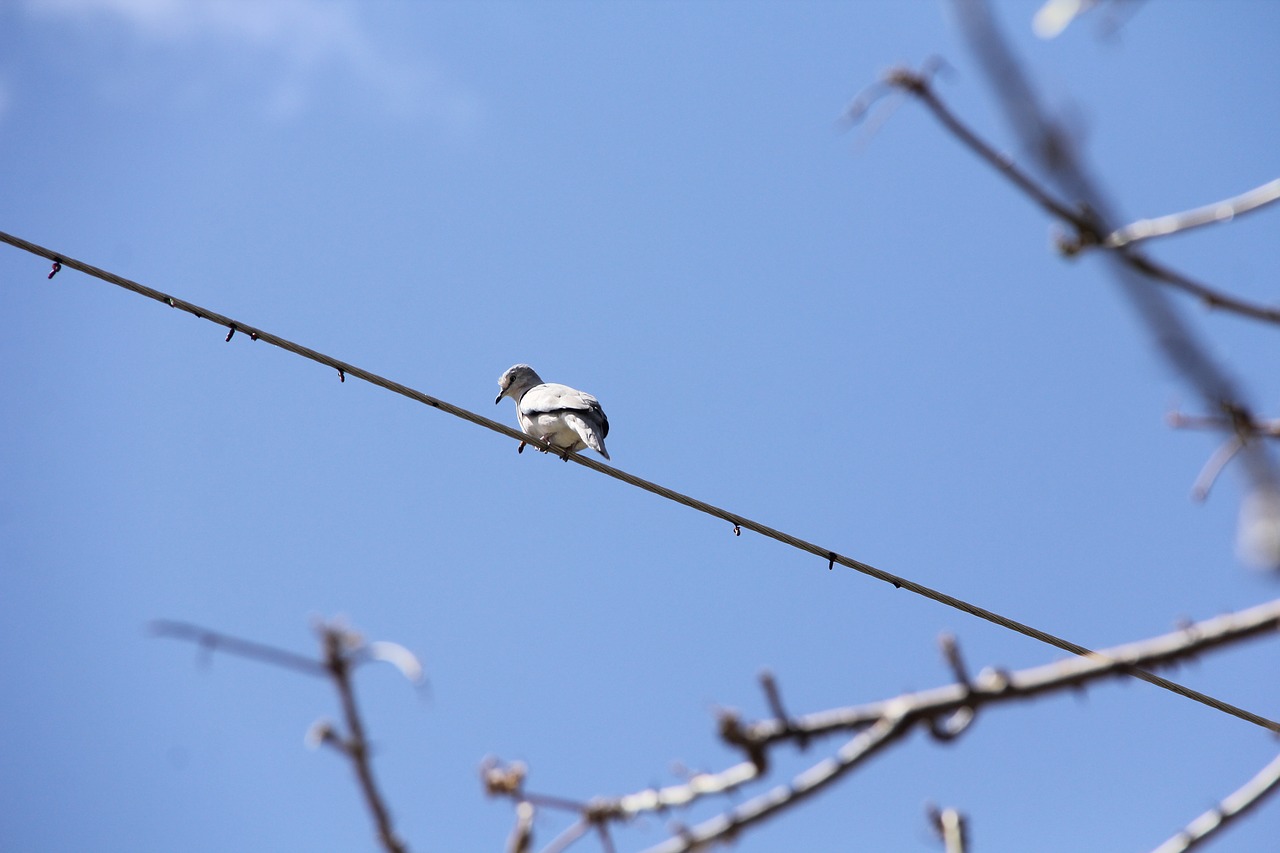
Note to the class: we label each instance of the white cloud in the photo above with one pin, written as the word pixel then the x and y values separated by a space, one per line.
pixel 304 36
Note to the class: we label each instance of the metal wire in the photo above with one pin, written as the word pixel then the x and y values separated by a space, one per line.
pixel 738 521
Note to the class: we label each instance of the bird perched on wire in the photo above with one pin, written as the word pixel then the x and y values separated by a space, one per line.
pixel 563 417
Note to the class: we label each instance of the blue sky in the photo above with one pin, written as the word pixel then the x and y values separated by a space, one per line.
pixel 864 339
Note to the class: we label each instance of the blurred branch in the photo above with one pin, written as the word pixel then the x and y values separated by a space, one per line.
pixel 951 827
pixel 1221 211
pixel 213 641
pixel 1242 427
pixel 1069 194
pixel 1056 15
pixel 1205 827
pixel 1210 297
pixel 344 650
pixel 338 647
pixel 1054 153
pixel 1089 231
pixel 920 86
pixel 945 712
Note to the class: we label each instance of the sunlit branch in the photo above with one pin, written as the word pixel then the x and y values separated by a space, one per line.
pixel 942 711
pixel 1222 211
pixel 952 828
pixel 1207 825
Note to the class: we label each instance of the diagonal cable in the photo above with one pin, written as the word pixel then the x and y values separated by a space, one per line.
pixel 738 521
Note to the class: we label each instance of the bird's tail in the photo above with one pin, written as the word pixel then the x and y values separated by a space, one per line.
pixel 588 433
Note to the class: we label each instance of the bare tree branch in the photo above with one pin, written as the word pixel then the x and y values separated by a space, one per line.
pixel 571 834
pixel 997 686
pixel 1203 828
pixel 951 827
pixel 1088 230
pixel 1213 467
pixel 728 825
pixel 1220 211
pixel 343 651
pixel 521 839
pixel 211 641
pixel 1053 152
pixel 1056 15
pixel 339 644
pixel 1242 428
pixel 877 725
pixel 1207 295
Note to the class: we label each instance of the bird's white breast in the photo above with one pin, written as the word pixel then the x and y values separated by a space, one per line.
pixel 552 425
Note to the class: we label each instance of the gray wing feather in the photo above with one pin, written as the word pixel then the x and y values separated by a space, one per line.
pixel 551 398
pixel 590 429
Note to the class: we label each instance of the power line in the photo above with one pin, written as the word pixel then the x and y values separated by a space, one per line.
pixel 739 522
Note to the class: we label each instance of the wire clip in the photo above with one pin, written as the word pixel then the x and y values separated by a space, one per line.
pixel 231 332
pixel 342 375
pixel 57 265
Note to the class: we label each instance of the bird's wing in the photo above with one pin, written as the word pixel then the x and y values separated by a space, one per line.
pixel 589 428
pixel 552 398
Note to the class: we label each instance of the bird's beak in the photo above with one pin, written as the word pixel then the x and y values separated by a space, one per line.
pixel 498 399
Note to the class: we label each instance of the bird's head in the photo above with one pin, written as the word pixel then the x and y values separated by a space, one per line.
pixel 515 381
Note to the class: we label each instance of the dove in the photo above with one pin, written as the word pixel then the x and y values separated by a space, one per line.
pixel 564 417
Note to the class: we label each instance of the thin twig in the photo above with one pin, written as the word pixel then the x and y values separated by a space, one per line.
pixel 1210 297
pixel 1088 230
pixel 1213 467
pixel 729 824
pixel 1220 211
pixel 951 827
pixel 338 646
pixel 1236 422
pixel 521 840
pixel 1241 427
pixel 571 834
pixel 920 86
pixel 606 840
pixel 216 641
pixel 1207 825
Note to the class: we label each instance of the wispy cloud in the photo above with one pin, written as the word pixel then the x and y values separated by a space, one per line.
pixel 302 38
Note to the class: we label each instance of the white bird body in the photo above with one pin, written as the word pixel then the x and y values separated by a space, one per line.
pixel 564 417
